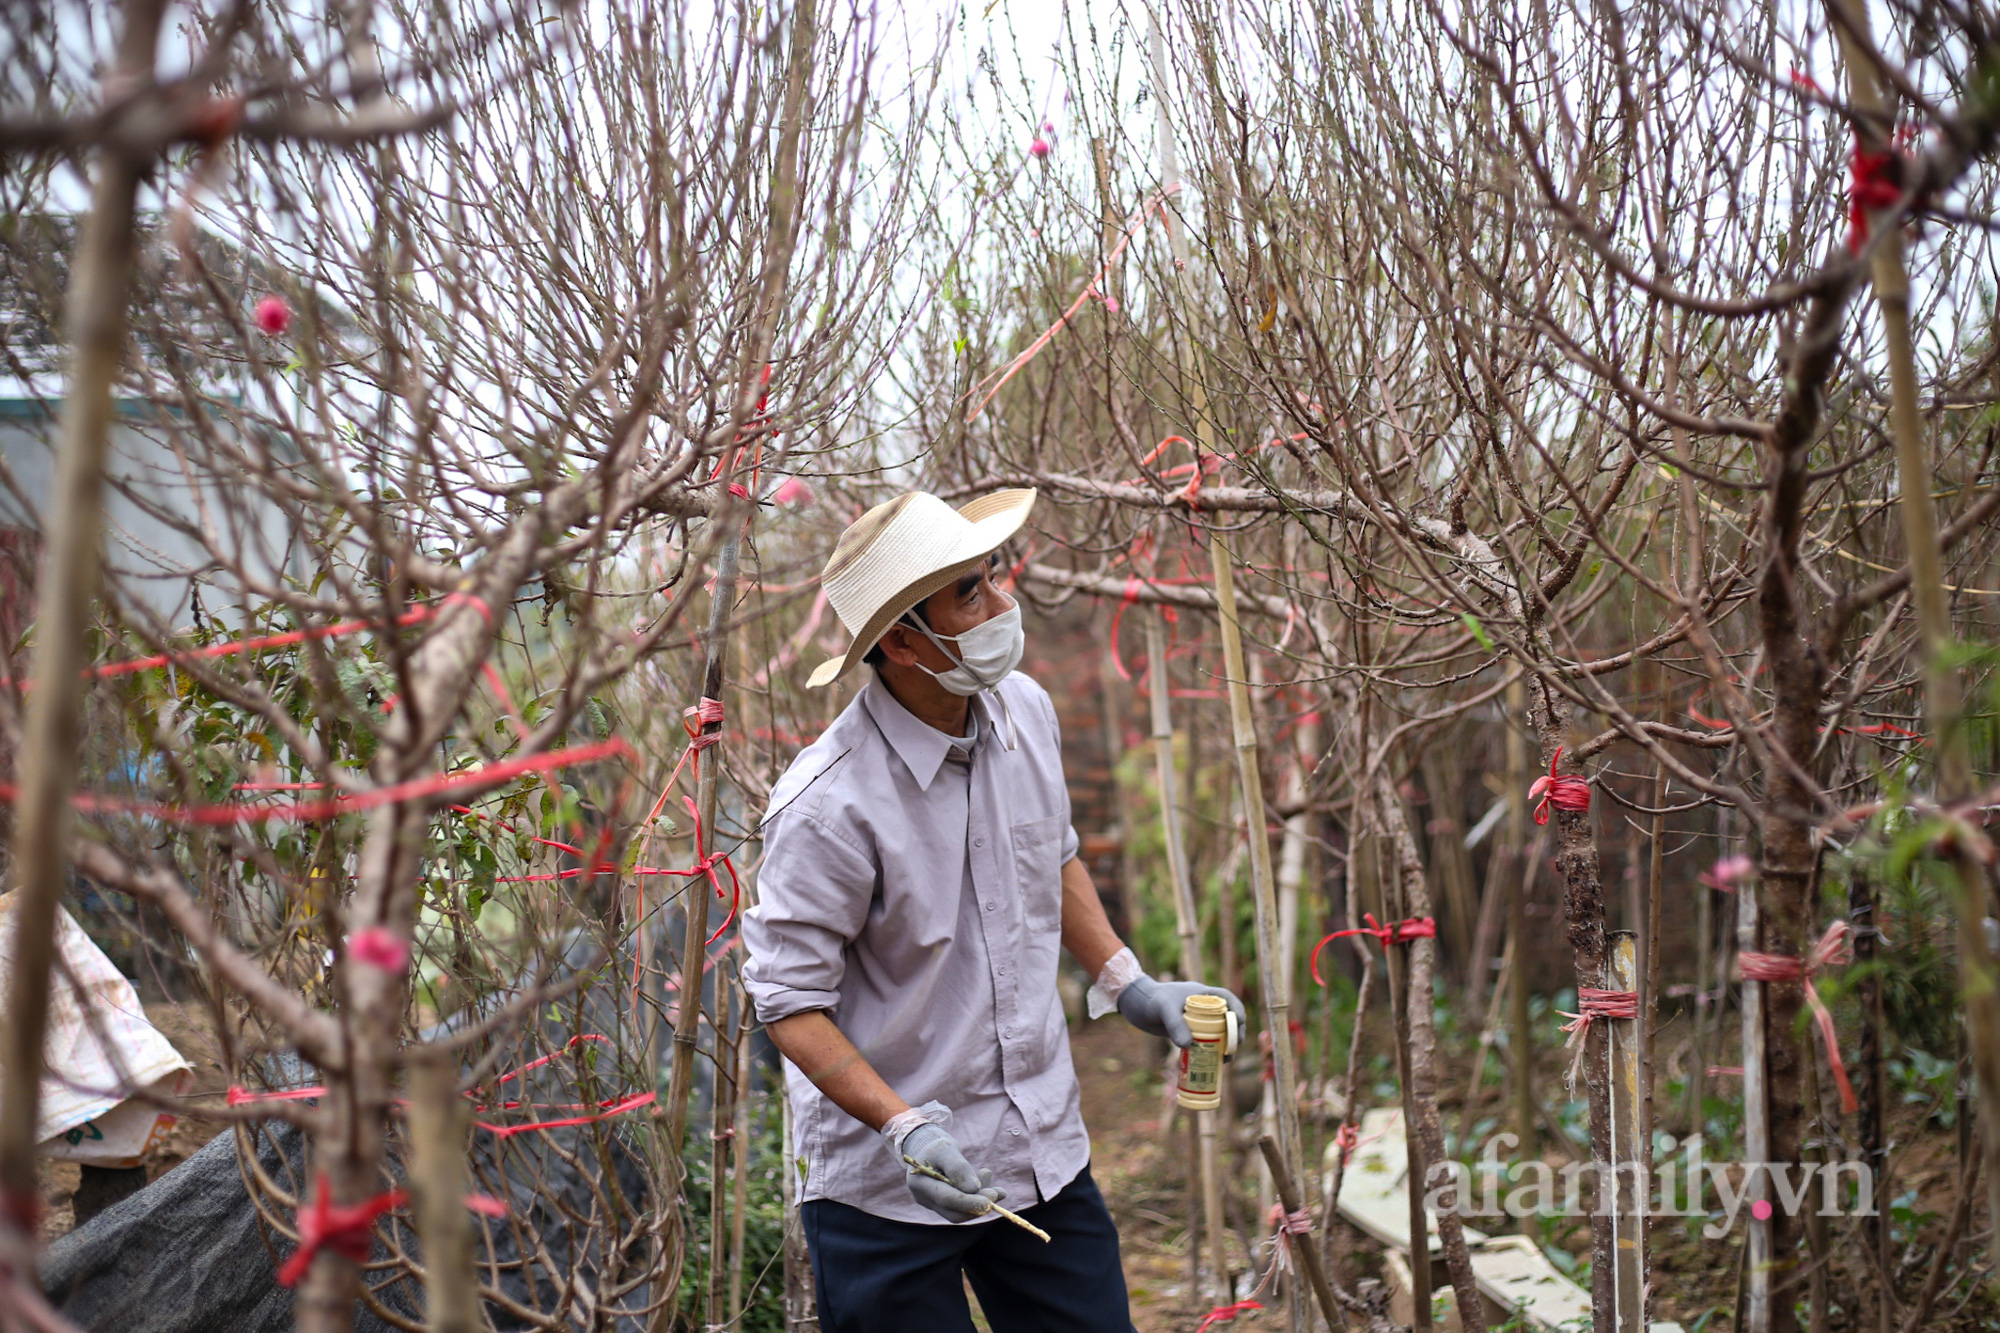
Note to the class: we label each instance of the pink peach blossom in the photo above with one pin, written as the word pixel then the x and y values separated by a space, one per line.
pixel 1729 872
pixel 274 316
pixel 375 947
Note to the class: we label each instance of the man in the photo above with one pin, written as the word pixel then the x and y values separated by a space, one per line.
pixel 919 874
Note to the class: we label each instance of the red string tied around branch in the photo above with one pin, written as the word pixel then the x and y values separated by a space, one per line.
pixel 1402 932
pixel 1876 183
pixel 349 1229
pixel 1835 949
pixel 1288 1225
pixel 697 718
pixel 1617 1005
pixel 1560 790
pixel 346 1229
pixel 1347 1138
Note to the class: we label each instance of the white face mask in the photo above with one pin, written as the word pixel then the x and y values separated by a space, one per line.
pixel 987 653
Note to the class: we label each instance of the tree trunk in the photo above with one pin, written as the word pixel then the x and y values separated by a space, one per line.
pixel 100 288
pixel 1425 1126
pixel 1583 909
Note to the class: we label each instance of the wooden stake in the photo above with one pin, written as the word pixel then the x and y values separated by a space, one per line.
pixel 1520 1035
pixel 1756 1129
pixel 1628 1184
pixel 694 944
pixel 1861 914
pixel 1188 923
pixel 1944 702
pixel 1250 783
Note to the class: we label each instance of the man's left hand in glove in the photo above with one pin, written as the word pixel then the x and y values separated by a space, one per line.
pixel 1152 1006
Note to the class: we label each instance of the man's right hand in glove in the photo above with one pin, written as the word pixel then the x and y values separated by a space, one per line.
pixel 969 1194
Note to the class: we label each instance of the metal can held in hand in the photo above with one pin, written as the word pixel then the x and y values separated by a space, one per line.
pixel 1209 1023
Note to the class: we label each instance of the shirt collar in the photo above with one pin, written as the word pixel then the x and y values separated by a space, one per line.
pixel 921 746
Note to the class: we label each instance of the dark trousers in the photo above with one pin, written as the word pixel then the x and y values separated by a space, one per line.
pixel 874 1275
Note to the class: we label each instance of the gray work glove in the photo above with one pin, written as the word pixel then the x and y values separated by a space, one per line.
pixel 1157 1007
pixel 971 1193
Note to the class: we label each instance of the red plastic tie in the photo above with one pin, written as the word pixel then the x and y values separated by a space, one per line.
pixel 346 1229
pixel 1410 928
pixel 1225 1314
pixel 235 646
pixel 1561 790
pixel 697 718
pixel 1835 949
pixel 476 603
pixel 609 1109
pixel 349 1231
pixel 436 784
pixel 1133 584
pixel 1873 188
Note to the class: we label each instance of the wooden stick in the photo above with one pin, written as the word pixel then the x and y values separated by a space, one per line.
pixel 100 285
pixel 1756 1303
pixel 1007 1213
pixel 1874 95
pixel 1187 921
pixel 1627 1189
pixel 1308 1254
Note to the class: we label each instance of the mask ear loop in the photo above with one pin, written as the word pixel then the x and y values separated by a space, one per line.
pixel 1013 732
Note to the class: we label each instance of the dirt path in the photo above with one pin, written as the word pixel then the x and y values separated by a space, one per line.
pixel 1143 1179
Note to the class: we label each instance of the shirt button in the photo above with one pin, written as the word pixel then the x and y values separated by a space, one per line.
pixel 989 904
pixel 1015 1133
pixel 979 842
pixel 1008 1033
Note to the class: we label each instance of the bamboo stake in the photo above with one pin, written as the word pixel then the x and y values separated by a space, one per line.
pixel 722 1146
pixel 1386 901
pixel 1861 909
pixel 1263 889
pixel 100 287
pixel 1187 921
pixel 1520 1037
pixel 694 948
pixel 739 1187
pixel 1649 986
pixel 1756 1129
pixel 1627 1187
pixel 801 1311
pixel 1277 1000
pixel 1944 702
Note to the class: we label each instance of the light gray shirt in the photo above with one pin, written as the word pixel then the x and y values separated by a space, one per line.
pixel 914 893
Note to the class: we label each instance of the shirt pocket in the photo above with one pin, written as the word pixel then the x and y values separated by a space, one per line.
pixel 1038 847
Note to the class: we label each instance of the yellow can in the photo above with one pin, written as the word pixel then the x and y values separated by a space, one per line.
pixel 1201 1063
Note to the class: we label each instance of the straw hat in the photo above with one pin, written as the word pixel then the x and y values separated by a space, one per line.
pixel 897 554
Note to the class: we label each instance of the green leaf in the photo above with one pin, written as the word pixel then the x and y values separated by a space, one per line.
pixel 1478 631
